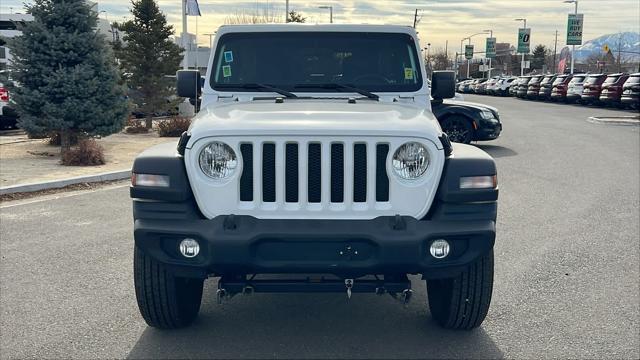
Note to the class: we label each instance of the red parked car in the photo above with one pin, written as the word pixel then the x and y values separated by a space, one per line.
pixel 592 88
pixel 560 86
pixel 612 89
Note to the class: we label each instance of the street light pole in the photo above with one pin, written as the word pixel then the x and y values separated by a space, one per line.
pixel 468 62
pixel 286 11
pixel 522 62
pixel 573 47
pixel 491 36
pixel 330 12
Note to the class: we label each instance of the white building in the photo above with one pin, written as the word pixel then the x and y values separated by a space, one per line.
pixel 198 57
pixel 9 29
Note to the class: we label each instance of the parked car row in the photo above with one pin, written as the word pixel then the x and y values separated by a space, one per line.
pixel 619 89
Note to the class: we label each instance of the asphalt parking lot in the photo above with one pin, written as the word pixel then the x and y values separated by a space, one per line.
pixel 567 268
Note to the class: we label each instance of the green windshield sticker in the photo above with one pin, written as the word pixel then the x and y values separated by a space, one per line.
pixel 408 73
pixel 226 71
pixel 228 56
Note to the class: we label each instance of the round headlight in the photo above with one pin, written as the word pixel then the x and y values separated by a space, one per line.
pixel 410 161
pixel 218 161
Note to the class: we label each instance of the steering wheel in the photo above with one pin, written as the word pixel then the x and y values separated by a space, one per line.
pixel 372 76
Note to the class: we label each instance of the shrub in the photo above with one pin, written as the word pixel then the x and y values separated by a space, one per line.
pixel 135 126
pixel 173 127
pixel 88 152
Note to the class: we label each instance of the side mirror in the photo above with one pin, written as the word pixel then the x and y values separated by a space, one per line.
pixel 443 85
pixel 188 83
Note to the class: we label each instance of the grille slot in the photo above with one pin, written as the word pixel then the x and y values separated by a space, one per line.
pixel 246 180
pixel 360 173
pixel 337 173
pixel 268 172
pixel 382 179
pixel 314 187
pixel 291 173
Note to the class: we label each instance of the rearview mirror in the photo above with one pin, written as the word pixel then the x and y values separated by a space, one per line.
pixel 443 84
pixel 188 83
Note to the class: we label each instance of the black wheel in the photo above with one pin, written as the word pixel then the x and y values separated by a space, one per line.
pixel 165 301
pixel 463 302
pixel 458 128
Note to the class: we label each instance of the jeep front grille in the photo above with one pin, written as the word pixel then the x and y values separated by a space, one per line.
pixel 303 178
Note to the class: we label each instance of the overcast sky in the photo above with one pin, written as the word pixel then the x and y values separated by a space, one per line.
pixel 441 20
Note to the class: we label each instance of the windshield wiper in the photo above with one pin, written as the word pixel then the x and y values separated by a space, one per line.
pixel 258 86
pixel 337 86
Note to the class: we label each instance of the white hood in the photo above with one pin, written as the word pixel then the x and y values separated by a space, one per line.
pixel 315 117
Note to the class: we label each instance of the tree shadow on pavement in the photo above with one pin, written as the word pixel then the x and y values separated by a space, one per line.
pixel 497 151
pixel 314 326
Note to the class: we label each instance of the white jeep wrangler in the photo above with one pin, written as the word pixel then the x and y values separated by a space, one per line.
pixel 314 165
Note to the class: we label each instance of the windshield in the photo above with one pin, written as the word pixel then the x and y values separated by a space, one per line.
pixel 534 80
pixel 546 80
pixel 559 80
pixel 633 80
pixel 295 61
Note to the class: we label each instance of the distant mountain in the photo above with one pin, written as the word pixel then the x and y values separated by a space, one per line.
pixel 629 41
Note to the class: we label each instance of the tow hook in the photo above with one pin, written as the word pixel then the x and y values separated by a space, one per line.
pixel 404 298
pixel 349 284
pixel 221 294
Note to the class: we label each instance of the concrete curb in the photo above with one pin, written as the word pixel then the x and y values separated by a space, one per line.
pixel 56 184
pixel 628 120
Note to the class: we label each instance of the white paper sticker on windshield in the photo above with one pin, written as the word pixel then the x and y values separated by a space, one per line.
pixel 408 73
pixel 228 56
pixel 226 71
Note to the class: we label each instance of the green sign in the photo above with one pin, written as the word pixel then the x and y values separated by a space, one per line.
pixel 468 52
pixel 524 39
pixel 490 51
pixel 574 29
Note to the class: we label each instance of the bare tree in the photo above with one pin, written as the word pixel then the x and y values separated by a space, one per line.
pixel 243 17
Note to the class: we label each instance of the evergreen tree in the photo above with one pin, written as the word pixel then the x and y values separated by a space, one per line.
pixel 539 57
pixel 66 71
pixel 147 55
pixel 296 17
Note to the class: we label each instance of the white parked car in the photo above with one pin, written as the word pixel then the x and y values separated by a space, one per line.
pixel 576 87
pixel 315 152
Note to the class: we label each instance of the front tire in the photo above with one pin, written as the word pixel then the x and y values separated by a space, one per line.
pixel 458 128
pixel 165 300
pixel 462 302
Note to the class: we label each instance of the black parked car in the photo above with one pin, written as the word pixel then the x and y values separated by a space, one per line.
pixel 465 122
pixel 546 85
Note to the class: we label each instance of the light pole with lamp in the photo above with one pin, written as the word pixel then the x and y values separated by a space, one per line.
pixel 573 47
pixel 490 36
pixel 469 38
pixel 330 12
pixel 522 62
pixel 461 54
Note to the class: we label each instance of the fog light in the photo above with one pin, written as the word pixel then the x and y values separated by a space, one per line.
pixel 439 248
pixel 189 248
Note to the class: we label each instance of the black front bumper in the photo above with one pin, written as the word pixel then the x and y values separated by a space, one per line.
pixel 348 248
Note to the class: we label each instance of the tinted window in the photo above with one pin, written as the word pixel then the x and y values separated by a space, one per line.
pixel 370 61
